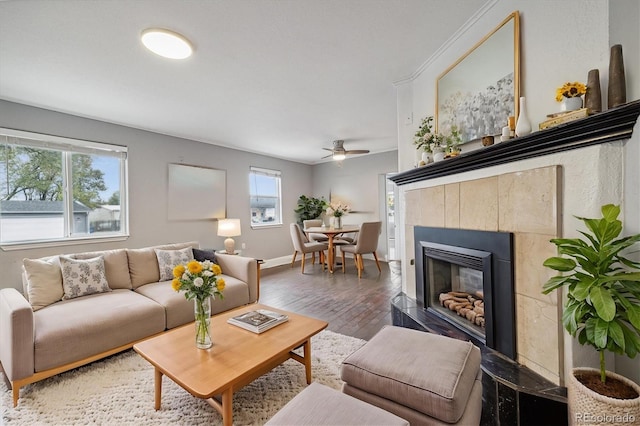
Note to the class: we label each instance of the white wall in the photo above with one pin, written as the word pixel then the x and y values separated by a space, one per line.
pixel 560 41
pixel 149 155
pixel 624 30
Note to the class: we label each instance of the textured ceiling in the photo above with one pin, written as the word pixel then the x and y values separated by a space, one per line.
pixel 277 77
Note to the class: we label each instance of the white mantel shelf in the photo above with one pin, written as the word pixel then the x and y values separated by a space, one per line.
pixel 611 125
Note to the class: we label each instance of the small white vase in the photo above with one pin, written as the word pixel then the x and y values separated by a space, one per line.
pixel 426 157
pixel 438 154
pixel 571 104
pixel 523 125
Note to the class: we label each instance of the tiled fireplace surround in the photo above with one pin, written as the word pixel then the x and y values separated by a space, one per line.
pixel 532 188
pixel 525 203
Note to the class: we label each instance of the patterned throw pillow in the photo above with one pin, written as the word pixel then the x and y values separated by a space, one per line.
pixel 83 277
pixel 169 259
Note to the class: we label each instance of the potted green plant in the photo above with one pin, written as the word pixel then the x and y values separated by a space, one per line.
pixel 602 310
pixel 453 141
pixel 424 136
pixel 309 208
pixel 425 140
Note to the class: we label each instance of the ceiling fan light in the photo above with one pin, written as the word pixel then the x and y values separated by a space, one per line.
pixel 166 43
pixel 338 156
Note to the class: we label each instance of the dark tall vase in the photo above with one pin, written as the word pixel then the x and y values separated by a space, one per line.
pixel 617 94
pixel 593 98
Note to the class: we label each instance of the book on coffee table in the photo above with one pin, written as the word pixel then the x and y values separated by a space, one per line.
pixel 259 320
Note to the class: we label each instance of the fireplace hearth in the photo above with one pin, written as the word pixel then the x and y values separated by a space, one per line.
pixel 465 277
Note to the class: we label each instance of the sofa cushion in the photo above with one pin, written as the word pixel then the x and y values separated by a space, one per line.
pixel 179 310
pixel 429 373
pixel 116 266
pixel 44 282
pixel 75 329
pixel 169 259
pixel 143 263
pixel 82 277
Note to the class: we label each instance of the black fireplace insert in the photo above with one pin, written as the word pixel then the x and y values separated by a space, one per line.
pixel 465 277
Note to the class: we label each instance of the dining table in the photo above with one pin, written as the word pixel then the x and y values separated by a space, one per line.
pixel 331 233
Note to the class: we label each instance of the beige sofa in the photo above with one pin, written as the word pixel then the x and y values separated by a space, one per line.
pixel 42 335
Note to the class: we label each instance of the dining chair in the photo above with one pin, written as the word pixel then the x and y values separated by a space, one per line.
pixel 314 236
pixel 367 243
pixel 302 245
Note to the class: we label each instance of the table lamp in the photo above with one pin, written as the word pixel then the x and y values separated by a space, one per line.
pixel 229 228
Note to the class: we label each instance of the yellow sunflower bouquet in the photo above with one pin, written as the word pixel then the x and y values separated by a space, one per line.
pixel 199 280
pixel 570 90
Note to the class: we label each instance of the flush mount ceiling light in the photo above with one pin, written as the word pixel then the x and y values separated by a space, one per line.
pixel 166 43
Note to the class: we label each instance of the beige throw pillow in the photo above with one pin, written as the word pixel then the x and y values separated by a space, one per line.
pixel 44 282
pixel 83 277
pixel 169 259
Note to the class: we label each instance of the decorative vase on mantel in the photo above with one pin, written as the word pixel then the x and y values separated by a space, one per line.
pixel 593 97
pixel 571 104
pixel 438 154
pixel 523 125
pixel 617 93
pixel 202 312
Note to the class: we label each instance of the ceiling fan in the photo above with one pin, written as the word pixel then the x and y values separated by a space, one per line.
pixel 338 153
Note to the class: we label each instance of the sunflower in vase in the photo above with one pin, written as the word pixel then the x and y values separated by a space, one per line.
pixel 570 95
pixel 200 282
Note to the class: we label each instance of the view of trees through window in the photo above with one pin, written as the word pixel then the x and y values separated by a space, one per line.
pixel 56 191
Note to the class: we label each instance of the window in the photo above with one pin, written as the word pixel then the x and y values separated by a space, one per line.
pixel 266 204
pixel 55 189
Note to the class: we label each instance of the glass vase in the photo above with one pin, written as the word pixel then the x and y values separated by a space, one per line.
pixel 337 222
pixel 202 311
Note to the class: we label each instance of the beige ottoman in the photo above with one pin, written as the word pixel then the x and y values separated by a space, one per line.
pixel 321 405
pixel 422 377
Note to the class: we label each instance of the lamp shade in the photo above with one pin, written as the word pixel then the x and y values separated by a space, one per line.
pixel 229 228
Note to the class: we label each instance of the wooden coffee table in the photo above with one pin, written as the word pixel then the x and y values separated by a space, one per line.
pixel 236 358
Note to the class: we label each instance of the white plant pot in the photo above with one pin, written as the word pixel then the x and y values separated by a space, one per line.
pixel 571 104
pixel 587 407
pixel 438 155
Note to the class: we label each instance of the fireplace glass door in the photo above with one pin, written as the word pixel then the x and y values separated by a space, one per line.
pixel 457 293
pixel 455 286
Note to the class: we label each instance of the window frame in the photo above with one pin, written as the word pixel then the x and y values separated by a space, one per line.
pixel 68 147
pixel 270 173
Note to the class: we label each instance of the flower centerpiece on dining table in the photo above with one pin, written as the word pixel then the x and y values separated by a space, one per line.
pixel 570 94
pixel 337 210
pixel 200 282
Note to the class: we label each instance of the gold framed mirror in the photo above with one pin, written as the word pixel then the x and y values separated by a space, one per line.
pixel 479 92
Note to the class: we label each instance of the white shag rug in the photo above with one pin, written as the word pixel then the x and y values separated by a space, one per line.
pixel 119 391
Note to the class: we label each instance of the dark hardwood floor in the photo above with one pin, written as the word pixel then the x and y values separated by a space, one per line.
pixel 351 306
